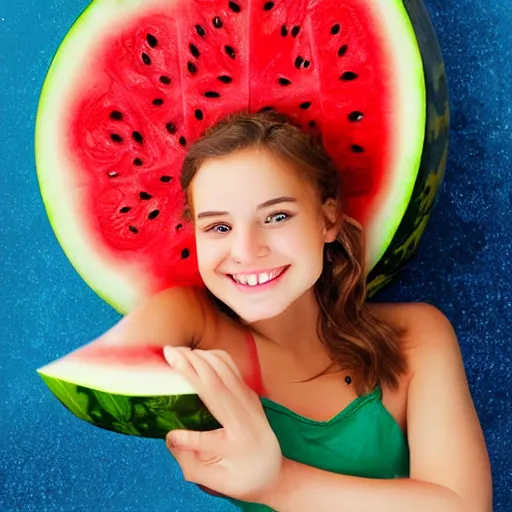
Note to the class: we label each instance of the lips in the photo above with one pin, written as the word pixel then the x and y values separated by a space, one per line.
pixel 258 278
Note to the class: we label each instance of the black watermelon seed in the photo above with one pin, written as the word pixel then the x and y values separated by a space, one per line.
pixel 125 209
pixel 298 62
pixel 198 114
pixel 343 50
pixel 112 174
pixel 154 214
pixel 217 22
pixel 355 116
pixel 152 40
pixel 230 51
pixel 137 161
pixel 356 148
pixel 307 64
pixel 116 115
pixel 305 105
pixel 157 102
pixel 200 31
pixel 265 109
pixel 284 82
pixel 211 94
pixel 182 141
pixel 170 127
pixel 165 80
pixel 145 196
pixel 335 29
pixel 348 76
pixel 133 229
pixel 165 179
pixel 137 137
pixel 295 31
pixel 146 59
pixel 284 31
pixel 185 254
pixel 179 227
pixel 225 79
pixel 191 67
pixel 234 7
pixel 116 138
pixel 268 6
pixel 194 51
pixel 312 124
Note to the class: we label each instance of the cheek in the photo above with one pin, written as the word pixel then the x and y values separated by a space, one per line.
pixel 305 240
pixel 209 254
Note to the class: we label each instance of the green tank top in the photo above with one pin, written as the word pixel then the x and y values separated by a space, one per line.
pixel 362 440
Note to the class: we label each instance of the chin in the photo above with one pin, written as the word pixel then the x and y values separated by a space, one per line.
pixel 253 314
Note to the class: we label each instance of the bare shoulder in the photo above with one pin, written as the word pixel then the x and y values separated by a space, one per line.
pixel 427 328
pixel 446 441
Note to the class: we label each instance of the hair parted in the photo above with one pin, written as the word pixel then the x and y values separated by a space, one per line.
pixel 356 340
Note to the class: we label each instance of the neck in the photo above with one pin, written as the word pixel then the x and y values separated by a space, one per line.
pixel 295 329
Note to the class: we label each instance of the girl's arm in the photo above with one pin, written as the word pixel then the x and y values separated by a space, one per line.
pixel 179 316
pixel 450 468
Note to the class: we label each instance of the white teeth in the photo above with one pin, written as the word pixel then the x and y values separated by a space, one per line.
pixel 252 279
pixel 263 278
pixel 255 279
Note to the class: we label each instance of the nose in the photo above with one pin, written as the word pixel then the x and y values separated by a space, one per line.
pixel 248 244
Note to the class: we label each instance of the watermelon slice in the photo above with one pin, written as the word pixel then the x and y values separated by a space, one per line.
pixel 136 81
pixel 128 390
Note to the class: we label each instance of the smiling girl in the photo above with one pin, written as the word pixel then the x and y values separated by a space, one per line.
pixel 326 402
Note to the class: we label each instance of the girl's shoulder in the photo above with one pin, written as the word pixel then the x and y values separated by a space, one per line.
pixel 428 337
pixel 425 326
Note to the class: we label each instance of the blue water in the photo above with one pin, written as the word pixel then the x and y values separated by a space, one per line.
pixel 50 461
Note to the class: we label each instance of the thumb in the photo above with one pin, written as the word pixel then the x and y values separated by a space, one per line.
pixel 194 440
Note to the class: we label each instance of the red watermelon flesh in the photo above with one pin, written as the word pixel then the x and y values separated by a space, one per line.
pixel 165 72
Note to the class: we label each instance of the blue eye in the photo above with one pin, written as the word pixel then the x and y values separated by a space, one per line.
pixel 218 228
pixel 277 217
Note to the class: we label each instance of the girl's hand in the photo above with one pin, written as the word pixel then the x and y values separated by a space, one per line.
pixel 242 459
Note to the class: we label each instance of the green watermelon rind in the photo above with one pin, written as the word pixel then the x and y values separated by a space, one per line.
pixel 405 243
pixel 121 283
pixel 144 416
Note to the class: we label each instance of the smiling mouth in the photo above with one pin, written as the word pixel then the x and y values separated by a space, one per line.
pixel 259 278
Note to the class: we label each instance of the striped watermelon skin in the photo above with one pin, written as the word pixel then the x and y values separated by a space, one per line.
pixel 152 417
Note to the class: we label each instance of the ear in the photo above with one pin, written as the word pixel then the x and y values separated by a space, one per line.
pixel 332 220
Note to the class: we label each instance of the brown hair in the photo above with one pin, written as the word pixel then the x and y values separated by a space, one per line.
pixel 356 340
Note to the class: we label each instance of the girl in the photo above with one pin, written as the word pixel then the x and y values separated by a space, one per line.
pixel 327 402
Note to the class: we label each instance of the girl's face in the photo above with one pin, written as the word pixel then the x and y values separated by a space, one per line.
pixel 260 232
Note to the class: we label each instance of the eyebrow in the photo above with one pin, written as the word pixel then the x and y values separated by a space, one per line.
pixel 266 204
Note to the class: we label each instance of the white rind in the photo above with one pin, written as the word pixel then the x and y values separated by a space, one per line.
pixel 128 380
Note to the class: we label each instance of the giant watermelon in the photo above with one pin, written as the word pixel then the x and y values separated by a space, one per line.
pixel 136 81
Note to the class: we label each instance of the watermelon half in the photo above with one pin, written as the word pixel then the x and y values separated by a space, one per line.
pixel 136 81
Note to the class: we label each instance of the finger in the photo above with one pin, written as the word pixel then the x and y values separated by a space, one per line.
pixel 230 403
pixel 189 464
pixel 223 366
pixel 177 358
pixel 222 354
pixel 229 373
pixel 208 443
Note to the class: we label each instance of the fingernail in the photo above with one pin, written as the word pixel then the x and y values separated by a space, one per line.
pixel 169 355
pixel 170 440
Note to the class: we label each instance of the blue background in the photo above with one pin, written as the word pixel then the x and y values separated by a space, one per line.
pixel 50 461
